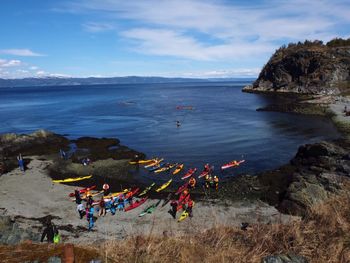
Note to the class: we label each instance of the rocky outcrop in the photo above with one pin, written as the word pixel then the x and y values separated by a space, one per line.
pixel 308 68
pixel 313 175
pixel 11 233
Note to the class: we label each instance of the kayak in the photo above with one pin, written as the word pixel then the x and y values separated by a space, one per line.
pixel 182 200
pixel 141 161
pixel 147 189
pixel 182 188
pixel 154 163
pixel 84 196
pixel 132 192
pixel 178 168
pixel 154 168
pixel 184 215
pixel 136 204
pixel 83 190
pixel 232 164
pixel 189 173
pixel 68 180
pixel 164 169
pixel 116 194
pixel 202 174
pixel 150 209
pixel 164 186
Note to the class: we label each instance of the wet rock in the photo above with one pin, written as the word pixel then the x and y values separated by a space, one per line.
pixel 284 258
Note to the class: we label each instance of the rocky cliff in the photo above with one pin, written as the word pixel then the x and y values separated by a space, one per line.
pixel 307 68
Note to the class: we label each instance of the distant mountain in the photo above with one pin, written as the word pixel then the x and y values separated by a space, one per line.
pixel 59 81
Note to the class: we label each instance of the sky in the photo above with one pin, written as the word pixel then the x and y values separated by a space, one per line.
pixel 169 38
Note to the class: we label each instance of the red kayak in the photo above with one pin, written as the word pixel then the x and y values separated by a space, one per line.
pixel 204 173
pixel 189 173
pixel 182 200
pixel 232 164
pixel 83 190
pixel 182 188
pixel 132 192
pixel 136 204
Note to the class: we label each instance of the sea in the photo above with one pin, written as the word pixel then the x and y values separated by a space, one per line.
pixel 219 122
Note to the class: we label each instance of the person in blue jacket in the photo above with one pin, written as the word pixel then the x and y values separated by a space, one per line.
pixel 90 215
pixel 20 162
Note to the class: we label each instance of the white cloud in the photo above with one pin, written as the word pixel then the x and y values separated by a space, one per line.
pixel 239 72
pixel 33 68
pixel 97 27
pixel 219 30
pixel 20 52
pixel 10 63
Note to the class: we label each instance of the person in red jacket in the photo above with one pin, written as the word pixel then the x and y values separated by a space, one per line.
pixel 189 208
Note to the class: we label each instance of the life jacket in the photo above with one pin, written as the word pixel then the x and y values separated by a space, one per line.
pixel 216 179
pixel 190 203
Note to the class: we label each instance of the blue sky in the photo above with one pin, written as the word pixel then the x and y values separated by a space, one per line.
pixel 172 38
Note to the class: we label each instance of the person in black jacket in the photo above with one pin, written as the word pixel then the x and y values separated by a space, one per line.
pixel 49 232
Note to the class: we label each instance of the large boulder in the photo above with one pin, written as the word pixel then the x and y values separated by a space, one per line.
pixel 284 258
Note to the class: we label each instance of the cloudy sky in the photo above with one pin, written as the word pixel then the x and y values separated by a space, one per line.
pixel 173 38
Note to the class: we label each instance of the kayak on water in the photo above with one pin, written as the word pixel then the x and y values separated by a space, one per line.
pixel 182 188
pixel 162 187
pixel 178 168
pixel 184 215
pixel 232 164
pixel 166 168
pixel 150 209
pixel 136 204
pixel 68 180
pixel 154 168
pixel 203 173
pixel 189 173
pixel 81 191
pixel 147 189
pixel 142 161
pixel 154 163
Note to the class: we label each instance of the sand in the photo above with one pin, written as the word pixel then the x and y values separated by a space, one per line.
pixel 33 195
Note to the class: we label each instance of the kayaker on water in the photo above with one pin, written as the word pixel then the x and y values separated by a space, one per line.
pixel 178 124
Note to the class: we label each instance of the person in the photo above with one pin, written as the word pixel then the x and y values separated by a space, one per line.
pixel 105 188
pixel 63 154
pixel 128 197
pixel 88 193
pixel 20 162
pixel 173 209
pixel 207 181
pixel 112 206
pixel 216 182
pixel 90 215
pixel 89 200
pixel 49 232
pixel 192 183
pixel 345 109
pixel 81 210
pixel 102 211
pixel 77 196
pixel 178 124
pixel 189 208
pixel 121 204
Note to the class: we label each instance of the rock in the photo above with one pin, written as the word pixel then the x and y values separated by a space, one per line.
pixel 306 68
pixel 284 258
pixel 54 260
pixel 11 233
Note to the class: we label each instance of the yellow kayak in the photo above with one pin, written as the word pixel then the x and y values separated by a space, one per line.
pixel 184 215
pixel 92 195
pixel 142 161
pixel 156 162
pixel 164 186
pixel 116 194
pixel 68 180
pixel 178 168
pixel 164 168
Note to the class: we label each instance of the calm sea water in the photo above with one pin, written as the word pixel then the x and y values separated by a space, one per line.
pixel 224 124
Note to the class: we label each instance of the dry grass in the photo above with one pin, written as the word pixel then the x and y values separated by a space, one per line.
pixel 323 236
